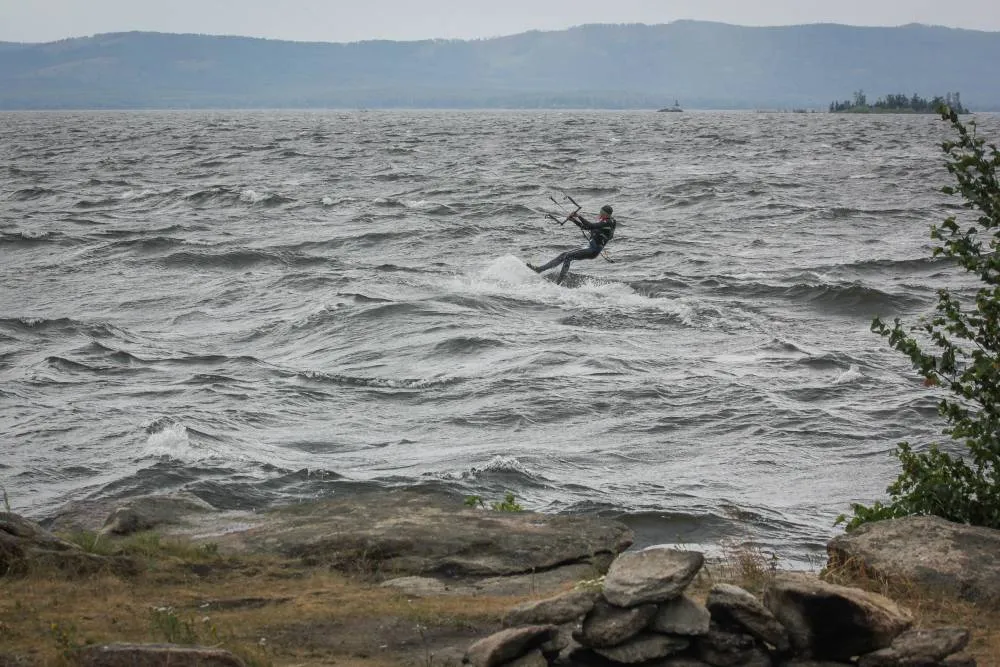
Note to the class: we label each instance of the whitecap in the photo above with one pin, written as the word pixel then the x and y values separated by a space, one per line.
pixel 133 194
pixel 508 274
pixel 501 463
pixel 850 375
pixel 251 196
pixel 169 438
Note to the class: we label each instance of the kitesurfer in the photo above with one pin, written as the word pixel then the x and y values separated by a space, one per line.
pixel 600 234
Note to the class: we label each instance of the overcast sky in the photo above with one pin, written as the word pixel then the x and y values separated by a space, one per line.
pixel 354 20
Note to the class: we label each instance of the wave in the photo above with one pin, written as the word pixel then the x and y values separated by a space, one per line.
pixel 501 464
pixel 92 182
pixel 893 267
pixel 853 298
pixel 376 382
pixel 30 194
pixel 149 244
pixel 106 202
pixel 267 199
pixel 227 197
pixel 466 345
pixel 237 259
pixel 123 365
pixel 62 326
pixel 31 239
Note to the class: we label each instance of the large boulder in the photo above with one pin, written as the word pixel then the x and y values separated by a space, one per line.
pixel 731 606
pixel 608 625
pixel 509 645
pixel 928 551
pixel 556 610
pixel 654 574
pixel 681 616
pixel 124 517
pixel 918 647
pixel 830 622
pixel 411 532
pixel 643 648
pixel 723 648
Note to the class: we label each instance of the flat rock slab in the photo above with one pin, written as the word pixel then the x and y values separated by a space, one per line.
pixel 411 532
pixel 928 551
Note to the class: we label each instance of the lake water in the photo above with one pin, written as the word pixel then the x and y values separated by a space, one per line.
pixel 270 307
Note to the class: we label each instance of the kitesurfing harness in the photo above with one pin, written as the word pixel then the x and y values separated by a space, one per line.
pixel 598 234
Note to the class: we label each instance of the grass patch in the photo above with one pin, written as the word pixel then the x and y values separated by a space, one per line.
pixel 147 545
pixel 296 615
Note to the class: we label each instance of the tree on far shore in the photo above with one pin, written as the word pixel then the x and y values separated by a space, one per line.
pixel 899 104
pixel 958 348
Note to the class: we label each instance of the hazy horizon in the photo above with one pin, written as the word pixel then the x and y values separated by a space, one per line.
pixel 394 20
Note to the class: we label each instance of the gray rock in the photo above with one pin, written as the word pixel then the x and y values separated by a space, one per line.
pixel 644 647
pixel 410 532
pixel 569 606
pixel 722 648
pixel 656 574
pixel 533 659
pixel 828 622
pixel 139 513
pixel 535 583
pixel 417 587
pixel 917 647
pixel 155 655
pixel 681 616
pixel 24 545
pixel 731 605
pixel 560 642
pixel 813 663
pixel 148 512
pixel 928 551
pixel 508 645
pixel 608 625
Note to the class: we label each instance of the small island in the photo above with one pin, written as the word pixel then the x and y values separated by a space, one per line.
pixel 898 104
pixel 674 109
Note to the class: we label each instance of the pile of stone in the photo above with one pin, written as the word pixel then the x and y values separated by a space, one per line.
pixel 642 614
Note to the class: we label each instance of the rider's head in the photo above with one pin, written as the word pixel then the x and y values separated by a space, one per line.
pixel 606 211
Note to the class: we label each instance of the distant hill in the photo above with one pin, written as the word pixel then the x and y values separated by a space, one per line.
pixel 701 64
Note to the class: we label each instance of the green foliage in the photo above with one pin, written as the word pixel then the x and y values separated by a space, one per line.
pixel 508 504
pixel 958 348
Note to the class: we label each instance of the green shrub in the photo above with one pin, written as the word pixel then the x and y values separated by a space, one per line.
pixel 509 504
pixel 958 348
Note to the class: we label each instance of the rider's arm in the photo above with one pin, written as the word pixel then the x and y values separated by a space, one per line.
pixel 583 223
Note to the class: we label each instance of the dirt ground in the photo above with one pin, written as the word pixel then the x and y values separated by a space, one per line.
pixel 270 611
pixel 266 611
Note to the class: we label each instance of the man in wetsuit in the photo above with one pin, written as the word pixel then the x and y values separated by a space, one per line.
pixel 601 232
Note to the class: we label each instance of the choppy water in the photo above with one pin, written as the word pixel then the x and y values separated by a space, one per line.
pixel 272 306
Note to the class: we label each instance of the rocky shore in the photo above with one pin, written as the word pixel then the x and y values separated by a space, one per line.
pixel 519 588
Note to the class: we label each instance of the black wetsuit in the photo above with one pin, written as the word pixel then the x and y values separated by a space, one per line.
pixel 601 233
